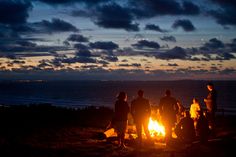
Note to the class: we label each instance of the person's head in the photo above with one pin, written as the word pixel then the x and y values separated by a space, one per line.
pixel 168 93
pixel 186 113
pixel 210 86
pixel 140 93
pixel 195 100
pixel 122 96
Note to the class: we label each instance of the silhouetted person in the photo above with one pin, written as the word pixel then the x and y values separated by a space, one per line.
pixel 121 117
pixel 211 106
pixel 185 129
pixel 194 110
pixel 202 127
pixel 181 109
pixel 141 110
pixel 168 110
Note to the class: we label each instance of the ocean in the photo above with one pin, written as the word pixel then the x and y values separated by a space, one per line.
pixel 76 94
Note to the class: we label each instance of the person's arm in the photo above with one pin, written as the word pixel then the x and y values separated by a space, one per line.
pixel 115 107
pixel 161 107
pixel 149 107
pixel 132 107
pixel 176 107
pixel 209 98
pixel 127 107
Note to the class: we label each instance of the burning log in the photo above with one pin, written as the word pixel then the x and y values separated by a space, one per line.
pixel 156 129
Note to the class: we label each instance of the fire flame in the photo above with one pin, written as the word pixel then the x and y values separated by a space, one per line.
pixel 155 128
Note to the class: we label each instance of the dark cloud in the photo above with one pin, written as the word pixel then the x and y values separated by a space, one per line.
pixel 81 13
pixel 115 16
pixel 77 38
pixel 123 16
pixel 227 12
pixel 66 43
pixel 14 12
pixel 110 58
pixel 71 60
pixel 62 2
pixel 54 26
pixel 26 46
pixel 228 71
pixel 119 74
pixel 163 7
pixel 26 43
pixel 173 65
pixel 6 33
pixel 175 53
pixel 25 28
pixel 190 8
pixel 124 60
pixel 154 28
pixel 227 56
pixel 89 66
pixel 16 45
pixel 234 40
pixel 104 45
pixel 213 44
pixel 130 65
pixel 44 63
pixel 18 62
pixel 146 44
pixel 168 38
pixel 81 46
pixel 232 45
pixel 185 24
pixel 84 53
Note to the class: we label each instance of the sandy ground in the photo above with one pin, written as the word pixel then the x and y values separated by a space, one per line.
pixel 75 141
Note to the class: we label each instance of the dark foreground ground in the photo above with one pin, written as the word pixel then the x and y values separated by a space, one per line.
pixel 47 131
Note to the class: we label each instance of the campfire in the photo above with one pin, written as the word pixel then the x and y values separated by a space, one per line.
pixel 156 129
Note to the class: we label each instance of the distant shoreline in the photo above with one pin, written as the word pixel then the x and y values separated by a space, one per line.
pixel 73 80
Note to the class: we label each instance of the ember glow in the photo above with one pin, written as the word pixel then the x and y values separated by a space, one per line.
pixel 155 128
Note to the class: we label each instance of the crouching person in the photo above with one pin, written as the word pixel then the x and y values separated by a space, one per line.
pixel 185 129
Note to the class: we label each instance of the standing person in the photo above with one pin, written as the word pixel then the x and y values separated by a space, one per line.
pixel 194 110
pixel 211 106
pixel 121 117
pixel 185 129
pixel 141 111
pixel 168 110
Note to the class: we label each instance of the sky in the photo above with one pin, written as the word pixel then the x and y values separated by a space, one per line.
pixel 117 39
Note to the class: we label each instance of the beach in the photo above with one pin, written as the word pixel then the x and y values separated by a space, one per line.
pixel 45 130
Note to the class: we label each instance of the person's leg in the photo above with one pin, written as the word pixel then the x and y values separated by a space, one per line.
pixel 211 120
pixel 119 138
pixel 122 139
pixel 122 135
pixel 213 124
pixel 139 131
pixel 145 126
pixel 168 130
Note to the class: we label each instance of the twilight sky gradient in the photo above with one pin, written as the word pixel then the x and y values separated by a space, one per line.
pixel 117 39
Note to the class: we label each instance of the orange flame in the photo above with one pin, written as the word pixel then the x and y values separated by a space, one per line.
pixel 155 128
